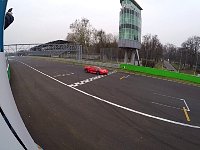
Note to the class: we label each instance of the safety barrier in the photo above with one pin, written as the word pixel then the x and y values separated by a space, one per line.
pixel 15 131
pixel 161 73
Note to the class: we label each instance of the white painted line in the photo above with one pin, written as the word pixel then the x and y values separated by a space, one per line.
pixel 165 105
pixel 188 109
pixel 116 105
pixel 174 98
pixel 63 75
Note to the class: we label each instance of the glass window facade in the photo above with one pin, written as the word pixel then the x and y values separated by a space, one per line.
pixel 130 21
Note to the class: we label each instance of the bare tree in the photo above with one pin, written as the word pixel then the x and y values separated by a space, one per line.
pixel 192 45
pixel 81 32
pixel 151 49
pixel 92 39
pixel 102 40
pixel 170 52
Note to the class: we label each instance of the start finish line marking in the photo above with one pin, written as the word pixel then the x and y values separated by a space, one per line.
pixel 90 80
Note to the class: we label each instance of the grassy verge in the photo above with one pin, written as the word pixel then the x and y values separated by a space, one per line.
pixel 161 73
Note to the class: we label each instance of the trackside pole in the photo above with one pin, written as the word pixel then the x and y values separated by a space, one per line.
pixel 3 4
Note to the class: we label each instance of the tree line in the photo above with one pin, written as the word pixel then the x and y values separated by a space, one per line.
pixel 92 39
pixel 152 50
pixel 187 56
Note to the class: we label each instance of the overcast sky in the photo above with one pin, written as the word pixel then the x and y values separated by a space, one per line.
pixel 40 21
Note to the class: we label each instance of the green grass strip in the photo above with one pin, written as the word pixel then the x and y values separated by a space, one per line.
pixel 161 73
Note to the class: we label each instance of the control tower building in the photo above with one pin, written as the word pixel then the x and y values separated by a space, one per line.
pixel 130 29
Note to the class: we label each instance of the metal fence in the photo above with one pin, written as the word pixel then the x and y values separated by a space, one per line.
pixel 47 50
pixel 15 48
pixel 112 55
pixel 68 51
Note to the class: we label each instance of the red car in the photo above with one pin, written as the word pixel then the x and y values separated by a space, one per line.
pixel 96 70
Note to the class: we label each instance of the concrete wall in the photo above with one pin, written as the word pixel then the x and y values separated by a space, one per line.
pixel 8 141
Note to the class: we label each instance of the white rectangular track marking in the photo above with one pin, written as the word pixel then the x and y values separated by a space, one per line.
pixel 184 101
pixel 116 105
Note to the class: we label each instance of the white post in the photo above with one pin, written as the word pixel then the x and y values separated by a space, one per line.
pixel 126 56
pixel 138 56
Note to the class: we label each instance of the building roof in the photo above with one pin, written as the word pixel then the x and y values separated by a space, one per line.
pixel 134 2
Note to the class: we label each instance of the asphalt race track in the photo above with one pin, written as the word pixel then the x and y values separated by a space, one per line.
pixel 65 108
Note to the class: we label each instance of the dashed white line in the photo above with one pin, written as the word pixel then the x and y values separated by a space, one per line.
pixel 116 105
pixel 63 75
pixel 165 105
pixel 167 96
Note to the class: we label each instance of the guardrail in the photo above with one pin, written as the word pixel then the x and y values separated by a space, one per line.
pixel 161 73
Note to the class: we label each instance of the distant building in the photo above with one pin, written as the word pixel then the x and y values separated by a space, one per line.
pixel 130 28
